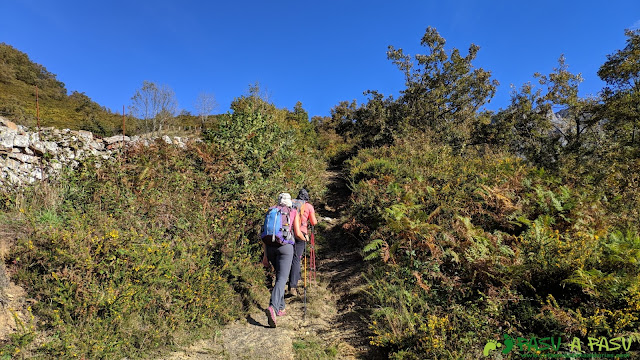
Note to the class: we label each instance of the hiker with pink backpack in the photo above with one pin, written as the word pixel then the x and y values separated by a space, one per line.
pixel 280 229
pixel 307 216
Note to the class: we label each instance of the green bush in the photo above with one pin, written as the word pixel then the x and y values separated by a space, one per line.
pixel 156 247
pixel 467 247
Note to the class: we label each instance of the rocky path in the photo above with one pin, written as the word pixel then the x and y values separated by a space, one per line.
pixel 333 327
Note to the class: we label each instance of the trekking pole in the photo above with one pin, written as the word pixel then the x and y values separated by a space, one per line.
pixel 304 311
pixel 312 256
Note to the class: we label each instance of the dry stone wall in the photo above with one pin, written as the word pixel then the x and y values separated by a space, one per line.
pixel 26 155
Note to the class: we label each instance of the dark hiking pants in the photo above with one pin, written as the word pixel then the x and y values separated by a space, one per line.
pixel 296 274
pixel 280 257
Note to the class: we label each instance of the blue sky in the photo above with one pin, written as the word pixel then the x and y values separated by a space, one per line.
pixel 316 52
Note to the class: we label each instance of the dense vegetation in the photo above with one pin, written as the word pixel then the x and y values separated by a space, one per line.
pixel 476 224
pixel 521 222
pixel 158 247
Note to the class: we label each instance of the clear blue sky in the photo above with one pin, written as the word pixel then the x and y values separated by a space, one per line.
pixel 316 52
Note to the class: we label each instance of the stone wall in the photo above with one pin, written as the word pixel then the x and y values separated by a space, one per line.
pixel 25 155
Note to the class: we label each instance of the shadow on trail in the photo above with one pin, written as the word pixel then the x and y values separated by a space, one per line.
pixel 254 322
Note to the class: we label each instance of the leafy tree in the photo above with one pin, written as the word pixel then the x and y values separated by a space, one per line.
pixel 13 108
pixel 547 128
pixel 7 74
pixel 299 114
pixel 443 90
pixel 90 112
pixel 575 122
pixel 256 99
pixel 154 105
pixel 377 121
pixel 343 118
pixel 524 127
pixel 621 72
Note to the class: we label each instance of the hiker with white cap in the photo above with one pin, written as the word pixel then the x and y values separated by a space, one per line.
pixel 279 231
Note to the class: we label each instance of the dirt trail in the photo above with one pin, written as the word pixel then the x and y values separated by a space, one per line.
pixel 334 322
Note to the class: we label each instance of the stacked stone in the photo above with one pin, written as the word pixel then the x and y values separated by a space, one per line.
pixel 24 155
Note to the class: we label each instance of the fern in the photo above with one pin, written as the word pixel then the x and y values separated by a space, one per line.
pixel 373 248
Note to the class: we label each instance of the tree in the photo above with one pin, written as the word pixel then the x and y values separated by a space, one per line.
pixel 343 119
pixel 443 92
pixel 547 127
pixel 256 100
pixel 376 124
pixel 575 120
pixel 205 104
pixel 524 127
pixel 299 114
pixel 621 97
pixel 154 105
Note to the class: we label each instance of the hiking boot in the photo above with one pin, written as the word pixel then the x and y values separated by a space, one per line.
pixel 271 316
pixel 281 312
pixel 293 292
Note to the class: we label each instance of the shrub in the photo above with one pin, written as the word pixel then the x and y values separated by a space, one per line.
pixel 156 247
pixel 467 246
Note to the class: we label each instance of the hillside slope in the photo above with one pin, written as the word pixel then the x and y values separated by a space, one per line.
pixel 19 77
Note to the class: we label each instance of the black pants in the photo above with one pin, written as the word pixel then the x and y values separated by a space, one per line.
pixel 295 274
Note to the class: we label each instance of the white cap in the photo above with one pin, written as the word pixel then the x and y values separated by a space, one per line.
pixel 285 199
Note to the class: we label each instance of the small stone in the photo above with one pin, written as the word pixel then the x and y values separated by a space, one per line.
pixel 21 141
pixel 51 147
pixel 96 145
pixel 26 167
pixel 85 135
pixel 6 139
pixel 9 124
pixel 115 139
pixel 37 148
pixel 11 163
pixel 13 178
